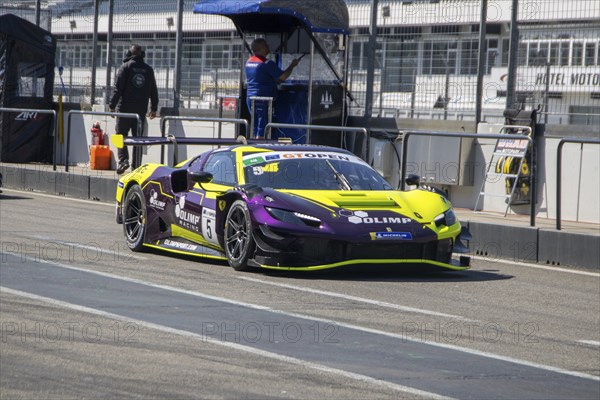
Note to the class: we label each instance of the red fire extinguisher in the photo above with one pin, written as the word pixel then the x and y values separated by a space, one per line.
pixel 97 134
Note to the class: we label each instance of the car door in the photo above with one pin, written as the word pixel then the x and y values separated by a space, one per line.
pixel 221 164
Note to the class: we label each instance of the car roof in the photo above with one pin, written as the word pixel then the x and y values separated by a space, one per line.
pixel 295 147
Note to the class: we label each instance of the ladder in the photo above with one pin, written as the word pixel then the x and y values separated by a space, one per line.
pixel 509 160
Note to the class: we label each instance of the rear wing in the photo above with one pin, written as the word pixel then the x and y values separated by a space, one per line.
pixel 120 141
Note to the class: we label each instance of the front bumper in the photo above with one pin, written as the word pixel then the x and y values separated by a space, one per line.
pixel 279 251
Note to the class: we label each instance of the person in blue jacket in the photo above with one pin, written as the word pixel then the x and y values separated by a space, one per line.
pixel 262 77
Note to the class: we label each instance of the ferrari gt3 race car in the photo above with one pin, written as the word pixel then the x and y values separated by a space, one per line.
pixel 284 206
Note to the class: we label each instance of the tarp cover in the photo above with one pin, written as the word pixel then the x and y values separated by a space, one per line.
pixel 27 55
pixel 280 15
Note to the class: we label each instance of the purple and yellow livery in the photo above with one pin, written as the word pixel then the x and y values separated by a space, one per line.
pixel 288 207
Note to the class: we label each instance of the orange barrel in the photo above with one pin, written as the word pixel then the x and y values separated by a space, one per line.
pixel 100 157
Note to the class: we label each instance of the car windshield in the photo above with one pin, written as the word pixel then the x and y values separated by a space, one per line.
pixel 311 171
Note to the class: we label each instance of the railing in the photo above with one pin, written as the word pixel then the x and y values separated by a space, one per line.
pixel 221 98
pixel 559 171
pixel 407 135
pixel 363 131
pixel 253 101
pixel 163 125
pixel 55 125
pixel 111 114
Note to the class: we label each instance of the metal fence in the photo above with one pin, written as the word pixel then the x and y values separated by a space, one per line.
pixel 426 64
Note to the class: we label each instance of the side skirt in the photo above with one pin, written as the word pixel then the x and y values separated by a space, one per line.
pixel 183 246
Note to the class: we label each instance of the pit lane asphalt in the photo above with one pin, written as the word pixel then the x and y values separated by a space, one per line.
pixel 357 324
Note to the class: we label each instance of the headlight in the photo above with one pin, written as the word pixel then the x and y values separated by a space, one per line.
pixel 448 218
pixel 293 217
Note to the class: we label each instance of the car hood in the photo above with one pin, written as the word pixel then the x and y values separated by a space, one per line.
pixel 419 205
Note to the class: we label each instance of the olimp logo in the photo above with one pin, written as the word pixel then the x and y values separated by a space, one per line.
pixel 362 217
pixel 186 218
pixel 154 202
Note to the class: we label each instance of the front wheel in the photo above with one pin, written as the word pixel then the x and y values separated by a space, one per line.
pixel 239 244
pixel 134 218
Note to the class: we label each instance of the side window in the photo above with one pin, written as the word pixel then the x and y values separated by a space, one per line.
pixel 222 166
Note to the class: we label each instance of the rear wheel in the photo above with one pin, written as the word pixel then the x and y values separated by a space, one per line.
pixel 239 244
pixel 134 218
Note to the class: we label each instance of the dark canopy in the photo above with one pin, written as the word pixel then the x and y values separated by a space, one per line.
pixel 280 15
pixel 26 82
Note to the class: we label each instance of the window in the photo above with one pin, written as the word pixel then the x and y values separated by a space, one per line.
pixel 358 57
pixel 31 79
pixel 469 57
pixel 355 60
pixel 439 58
pixel 216 55
pixel 222 166
pixel 492 55
pixel 590 49
pixel 505 52
pixel 564 53
pixel 554 47
pixel 524 53
pixel 577 53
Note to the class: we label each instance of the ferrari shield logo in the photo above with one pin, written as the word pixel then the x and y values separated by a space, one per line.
pixel 222 204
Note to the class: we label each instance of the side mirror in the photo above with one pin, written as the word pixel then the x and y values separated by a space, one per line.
pixel 201 177
pixel 413 179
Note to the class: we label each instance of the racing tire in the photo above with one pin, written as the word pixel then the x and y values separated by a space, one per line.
pixel 238 241
pixel 134 218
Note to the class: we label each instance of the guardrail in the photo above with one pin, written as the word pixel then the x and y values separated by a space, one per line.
pixel 55 125
pixel 110 114
pixel 163 125
pixel 559 171
pixel 308 128
pixel 407 135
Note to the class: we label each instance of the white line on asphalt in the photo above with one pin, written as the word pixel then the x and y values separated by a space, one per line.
pixel 590 342
pixel 235 346
pixel 92 246
pixel 54 196
pixel 359 299
pixel 328 321
pixel 522 264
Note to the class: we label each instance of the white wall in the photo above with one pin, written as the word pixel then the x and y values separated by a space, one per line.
pixel 580 180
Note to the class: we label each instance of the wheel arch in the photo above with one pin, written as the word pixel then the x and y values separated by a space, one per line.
pixel 224 201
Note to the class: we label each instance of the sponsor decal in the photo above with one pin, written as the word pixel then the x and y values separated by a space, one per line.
pixel 179 245
pixel 362 217
pixel 208 213
pixel 186 219
pixel 222 205
pixel 264 158
pixel 121 184
pixel 26 115
pixel 326 100
pixel 512 146
pixel 393 236
pixel 154 202
pixel 209 217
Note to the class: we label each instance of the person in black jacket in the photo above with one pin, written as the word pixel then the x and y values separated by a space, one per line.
pixel 135 84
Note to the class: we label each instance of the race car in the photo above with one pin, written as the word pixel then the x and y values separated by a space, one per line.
pixel 284 206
